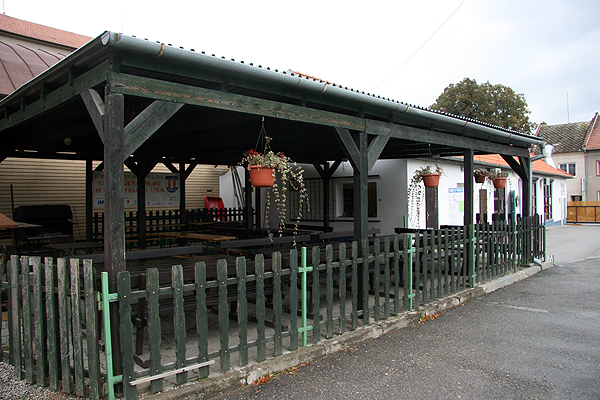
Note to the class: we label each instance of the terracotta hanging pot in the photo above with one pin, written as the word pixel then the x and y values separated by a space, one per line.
pixel 261 176
pixel 431 180
pixel 479 178
pixel 500 182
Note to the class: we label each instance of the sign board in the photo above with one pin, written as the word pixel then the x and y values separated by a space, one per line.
pixel 456 197
pixel 161 189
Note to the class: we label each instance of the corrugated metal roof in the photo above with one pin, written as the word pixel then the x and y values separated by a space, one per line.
pixel 42 32
pixel 19 64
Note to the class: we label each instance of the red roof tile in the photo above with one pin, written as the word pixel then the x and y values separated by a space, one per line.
pixel 41 32
pixel 537 166
pixel 592 141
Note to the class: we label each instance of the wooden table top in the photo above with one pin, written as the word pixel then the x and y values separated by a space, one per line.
pixel 198 236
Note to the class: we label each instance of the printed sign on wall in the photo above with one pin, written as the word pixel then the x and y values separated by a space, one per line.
pixel 457 205
pixel 161 189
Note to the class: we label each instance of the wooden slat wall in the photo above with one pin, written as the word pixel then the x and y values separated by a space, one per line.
pixel 38 182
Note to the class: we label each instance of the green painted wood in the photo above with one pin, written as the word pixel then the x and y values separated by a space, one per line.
pixel 201 317
pixel 405 271
pixel 76 320
pixel 397 275
pixel 146 123
pixel 58 97
pixel 27 320
pixel 376 278
pixel 447 260
pixel 329 290
pixel 386 278
pixel 63 324
pixel 294 298
pixel 180 93
pixel 40 322
pixel 420 135
pixel 154 328
pixel 261 345
pixel 242 310
pixel 316 294
pixel 342 289
pixel 126 334
pixel 354 321
pixel 277 303
pixel 91 330
pixel 52 324
pixel 179 323
pixel 365 281
pixel 15 317
pixel 223 316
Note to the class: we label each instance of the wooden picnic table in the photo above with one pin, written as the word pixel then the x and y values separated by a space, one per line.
pixel 207 238
pixel 65 249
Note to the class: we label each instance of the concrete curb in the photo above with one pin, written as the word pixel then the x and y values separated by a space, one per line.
pixel 215 386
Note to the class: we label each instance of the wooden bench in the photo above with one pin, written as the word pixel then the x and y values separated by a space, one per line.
pixel 345 235
pixel 252 246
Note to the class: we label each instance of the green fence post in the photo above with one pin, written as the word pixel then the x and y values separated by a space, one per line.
pixel 103 304
pixel 409 284
pixel 471 241
pixel 304 269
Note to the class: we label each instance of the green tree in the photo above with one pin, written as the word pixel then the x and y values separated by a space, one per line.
pixel 495 104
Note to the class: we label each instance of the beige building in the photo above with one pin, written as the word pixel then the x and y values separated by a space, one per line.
pixel 577 151
pixel 27 50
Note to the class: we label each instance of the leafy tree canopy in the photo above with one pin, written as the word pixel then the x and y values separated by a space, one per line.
pixel 495 104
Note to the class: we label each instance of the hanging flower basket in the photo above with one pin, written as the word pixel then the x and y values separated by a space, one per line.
pixel 479 178
pixel 431 180
pixel 500 182
pixel 261 176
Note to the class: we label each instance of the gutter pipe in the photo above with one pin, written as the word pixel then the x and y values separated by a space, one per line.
pixel 311 86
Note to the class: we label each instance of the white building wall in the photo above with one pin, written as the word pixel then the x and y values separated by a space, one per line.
pixel 392 178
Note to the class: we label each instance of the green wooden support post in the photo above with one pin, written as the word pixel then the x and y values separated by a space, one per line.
pixel 408 284
pixel 303 270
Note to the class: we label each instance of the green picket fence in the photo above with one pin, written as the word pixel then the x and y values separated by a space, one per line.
pixel 234 315
pixel 53 324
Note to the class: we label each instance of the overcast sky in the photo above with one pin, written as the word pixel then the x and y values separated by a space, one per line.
pixel 549 50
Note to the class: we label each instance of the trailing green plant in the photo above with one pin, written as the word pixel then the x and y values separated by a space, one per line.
pixel 416 190
pixel 290 177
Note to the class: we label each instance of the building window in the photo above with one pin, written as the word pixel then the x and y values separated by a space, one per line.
pixel 312 210
pixel 569 168
pixel 598 167
pixel 577 197
pixel 348 199
pixel 548 200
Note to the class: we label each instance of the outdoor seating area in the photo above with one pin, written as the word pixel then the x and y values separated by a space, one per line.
pixel 231 311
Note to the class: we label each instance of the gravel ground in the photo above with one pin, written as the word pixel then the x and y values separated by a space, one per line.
pixel 10 389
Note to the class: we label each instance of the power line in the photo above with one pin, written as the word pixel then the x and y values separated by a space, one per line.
pixel 423 45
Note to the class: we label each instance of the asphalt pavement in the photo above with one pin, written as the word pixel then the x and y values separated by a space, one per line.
pixel 535 339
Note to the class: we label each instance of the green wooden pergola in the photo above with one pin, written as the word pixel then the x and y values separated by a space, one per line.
pixel 128 101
